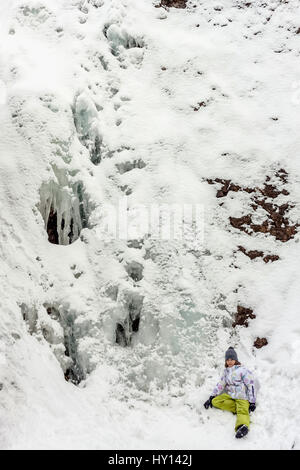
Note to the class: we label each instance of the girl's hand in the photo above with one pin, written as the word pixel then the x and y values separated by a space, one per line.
pixel 208 403
pixel 252 407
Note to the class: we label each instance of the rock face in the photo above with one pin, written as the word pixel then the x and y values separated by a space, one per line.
pixel 253 254
pixel 276 221
pixel 267 201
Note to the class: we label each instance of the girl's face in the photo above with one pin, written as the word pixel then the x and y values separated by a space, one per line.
pixel 230 362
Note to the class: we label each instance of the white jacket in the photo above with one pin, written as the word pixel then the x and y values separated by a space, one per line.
pixel 238 382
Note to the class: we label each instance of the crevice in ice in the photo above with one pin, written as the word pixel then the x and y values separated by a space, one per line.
pixel 52 227
pixel 129 325
pixel 65 209
pixel 30 316
pixel 121 337
pixel 56 325
pixel 74 372
pixel 64 344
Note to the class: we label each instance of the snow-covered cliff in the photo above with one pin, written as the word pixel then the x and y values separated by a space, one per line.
pixel 115 114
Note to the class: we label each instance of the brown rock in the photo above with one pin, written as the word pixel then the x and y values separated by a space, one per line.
pixel 272 258
pixel 260 342
pixel 242 315
pixel 263 228
pixel 239 222
pixel 252 254
pixel 269 190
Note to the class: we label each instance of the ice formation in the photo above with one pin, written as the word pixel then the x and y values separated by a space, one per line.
pixel 64 209
pixel 88 126
pixel 116 341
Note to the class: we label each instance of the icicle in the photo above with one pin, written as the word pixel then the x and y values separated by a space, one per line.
pixel 64 210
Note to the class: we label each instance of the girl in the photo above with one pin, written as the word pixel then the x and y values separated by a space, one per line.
pixel 239 396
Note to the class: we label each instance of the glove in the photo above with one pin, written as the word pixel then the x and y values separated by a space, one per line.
pixel 252 406
pixel 208 403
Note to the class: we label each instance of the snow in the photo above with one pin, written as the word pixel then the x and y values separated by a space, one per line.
pixel 114 101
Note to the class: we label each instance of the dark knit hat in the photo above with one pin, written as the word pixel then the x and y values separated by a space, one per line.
pixel 231 354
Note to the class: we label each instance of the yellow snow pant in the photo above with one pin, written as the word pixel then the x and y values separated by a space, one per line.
pixel 236 406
